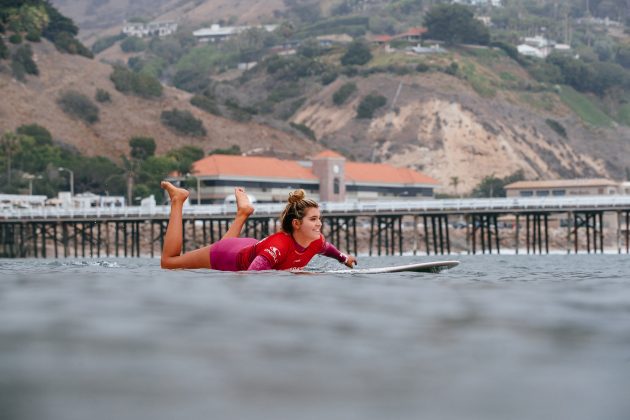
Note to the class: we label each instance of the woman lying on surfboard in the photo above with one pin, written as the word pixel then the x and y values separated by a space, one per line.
pixel 290 249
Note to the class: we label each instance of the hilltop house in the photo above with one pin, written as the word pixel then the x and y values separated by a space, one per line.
pixel 141 29
pixel 326 177
pixel 218 33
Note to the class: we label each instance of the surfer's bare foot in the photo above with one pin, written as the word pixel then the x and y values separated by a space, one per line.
pixel 175 194
pixel 243 205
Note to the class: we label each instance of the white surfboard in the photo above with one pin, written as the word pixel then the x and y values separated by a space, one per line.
pixel 427 267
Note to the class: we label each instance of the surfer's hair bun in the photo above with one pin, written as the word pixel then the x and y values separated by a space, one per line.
pixel 296 196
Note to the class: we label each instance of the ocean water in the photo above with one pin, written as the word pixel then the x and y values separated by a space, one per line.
pixel 498 337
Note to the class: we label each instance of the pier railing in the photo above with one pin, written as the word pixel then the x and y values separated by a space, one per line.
pixel 459 206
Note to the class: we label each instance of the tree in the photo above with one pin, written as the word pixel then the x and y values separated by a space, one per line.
pixel 491 186
pixel 40 134
pixel 10 144
pixel 130 166
pixel 358 53
pixel 454 24
pixel 623 56
pixel 369 104
pixel 185 156
pixel 142 148
pixel 454 183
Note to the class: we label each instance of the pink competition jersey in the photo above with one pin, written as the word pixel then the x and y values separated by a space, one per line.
pixel 282 252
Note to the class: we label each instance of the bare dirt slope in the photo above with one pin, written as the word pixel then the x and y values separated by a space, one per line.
pixel 125 116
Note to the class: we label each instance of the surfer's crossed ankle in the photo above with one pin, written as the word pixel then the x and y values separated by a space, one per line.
pixel 290 249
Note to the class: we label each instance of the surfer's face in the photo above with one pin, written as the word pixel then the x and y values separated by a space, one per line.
pixel 310 226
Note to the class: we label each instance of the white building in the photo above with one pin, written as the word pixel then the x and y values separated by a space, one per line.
pixel 218 33
pixel 540 47
pixel 141 30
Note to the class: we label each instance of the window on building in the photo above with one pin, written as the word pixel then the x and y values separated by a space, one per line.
pixel 336 187
pixel 559 192
pixel 526 193
pixel 542 193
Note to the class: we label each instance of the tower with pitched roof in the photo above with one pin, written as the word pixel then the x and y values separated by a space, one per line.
pixel 330 168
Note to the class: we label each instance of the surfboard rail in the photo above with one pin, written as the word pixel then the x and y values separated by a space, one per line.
pixel 425 267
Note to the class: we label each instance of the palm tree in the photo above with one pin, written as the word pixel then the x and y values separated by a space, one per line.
pixel 10 145
pixel 131 167
pixel 454 183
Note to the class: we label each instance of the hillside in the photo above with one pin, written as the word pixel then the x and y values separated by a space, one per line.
pixel 125 116
pixel 489 119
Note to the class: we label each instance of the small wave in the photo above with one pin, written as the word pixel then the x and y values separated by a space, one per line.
pixel 97 263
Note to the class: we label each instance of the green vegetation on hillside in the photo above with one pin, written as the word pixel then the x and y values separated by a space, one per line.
pixel 78 105
pixel 29 153
pixel 369 104
pixel 584 107
pixel 128 82
pixel 455 24
pixel 183 122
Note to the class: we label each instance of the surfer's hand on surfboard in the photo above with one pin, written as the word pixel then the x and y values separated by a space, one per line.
pixel 351 261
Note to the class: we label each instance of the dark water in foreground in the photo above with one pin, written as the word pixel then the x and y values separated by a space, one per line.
pixel 499 337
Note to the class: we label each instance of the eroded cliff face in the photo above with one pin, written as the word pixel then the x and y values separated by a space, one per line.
pixel 441 127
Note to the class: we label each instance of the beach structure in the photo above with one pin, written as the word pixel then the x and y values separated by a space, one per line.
pixel 328 177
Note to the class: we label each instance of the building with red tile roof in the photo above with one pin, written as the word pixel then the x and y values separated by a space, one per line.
pixel 326 177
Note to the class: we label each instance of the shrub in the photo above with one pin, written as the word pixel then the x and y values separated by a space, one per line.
pixel 15 39
pixel 102 96
pixel 422 68
pixel 146 86
pixel 508 49
pixel 191 80
pixel 328 77
pixel 133 44
pixel 350 71
pixel 284 91
pixel 142 85
pixel 102 44
pixel 358 53
pixel 65 42
pixel 23 62
pixel 289 110
pixel 232 150
pixel 369 104
pixel 78 105
pixel 4 51
pixel 557 127
pixel 452 69
pixel 34 36
pixel 142 148
pixel 293 68
pixel 40 134
pixel 304 130
pixel 17 70
pixel 205 103
pixel 184 122
pixel 343 93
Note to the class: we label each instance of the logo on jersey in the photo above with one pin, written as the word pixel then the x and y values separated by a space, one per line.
pixel 273 253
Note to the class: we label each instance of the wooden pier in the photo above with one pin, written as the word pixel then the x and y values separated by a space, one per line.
pixel 391 228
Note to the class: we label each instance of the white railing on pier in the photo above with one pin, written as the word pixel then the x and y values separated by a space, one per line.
pixel 558 204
